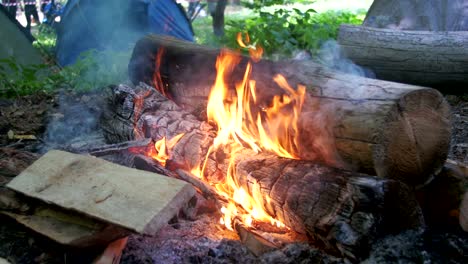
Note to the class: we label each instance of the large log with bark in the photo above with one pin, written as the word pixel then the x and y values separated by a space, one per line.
pixel 341 210
pixel 436 59
pixel 430 15
pixel 394 130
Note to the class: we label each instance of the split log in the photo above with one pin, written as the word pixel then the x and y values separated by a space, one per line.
pixel 340 210
pixel 435 59
pixel 393 130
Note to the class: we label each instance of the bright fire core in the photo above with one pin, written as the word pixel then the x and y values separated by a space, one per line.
pixel 242 123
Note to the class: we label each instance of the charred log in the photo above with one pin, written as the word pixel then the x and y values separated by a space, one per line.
pixel 435 59
pixel 340 210
pixel 393 130
pixel 441 200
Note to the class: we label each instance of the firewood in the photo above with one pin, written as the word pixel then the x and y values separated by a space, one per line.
pixel 13 161
pixel 136 200
pixel 68 227
pixel 340 210
pixel 429 15
pixel 464 213
pixel 441 199
pixel 436 59
pixel 112 149
pixel 393 130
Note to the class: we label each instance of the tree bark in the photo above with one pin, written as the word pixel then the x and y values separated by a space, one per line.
pixel 432 15
pixel 436 59
pixel 394 130
pixel 340 210
pixel 218 18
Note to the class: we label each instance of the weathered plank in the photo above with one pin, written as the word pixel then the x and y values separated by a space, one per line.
pixel 66 228
pixel 137 200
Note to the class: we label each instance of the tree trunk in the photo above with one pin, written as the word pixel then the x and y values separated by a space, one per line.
pixel 218 18
pixel 436 59
pixel 341 210
pixel 395 130
pixel 432 15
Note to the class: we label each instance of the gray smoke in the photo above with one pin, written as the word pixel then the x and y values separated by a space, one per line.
pixel 73 122
pixel 332 56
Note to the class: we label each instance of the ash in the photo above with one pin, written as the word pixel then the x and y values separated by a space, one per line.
pixel 205 241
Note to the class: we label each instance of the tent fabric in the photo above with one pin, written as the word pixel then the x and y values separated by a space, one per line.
pixel 117 25
pixel 16 41
pixel 13 20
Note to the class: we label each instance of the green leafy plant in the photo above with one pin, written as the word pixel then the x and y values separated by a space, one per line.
pixel 92 70
pixel 284 31
pixel 17 80
pixel 45 42
pixel 95 69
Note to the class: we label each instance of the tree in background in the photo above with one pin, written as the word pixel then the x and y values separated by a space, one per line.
pixel 216 9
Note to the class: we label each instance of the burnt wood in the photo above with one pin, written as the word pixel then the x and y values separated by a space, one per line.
pixel 393 130
pixel 340 210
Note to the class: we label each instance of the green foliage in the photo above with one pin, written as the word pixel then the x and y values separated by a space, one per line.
pixel 92 71
pixel 96 69
pixel 17 80
pixel 45 41
pixel 259 4
pixel 284 31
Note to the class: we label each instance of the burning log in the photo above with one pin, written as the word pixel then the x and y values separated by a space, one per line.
pixel 436 59
pixel 341 210
pixel 393 130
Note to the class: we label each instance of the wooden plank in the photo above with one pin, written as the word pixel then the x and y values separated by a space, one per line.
pixel 69 228
pixel 137 200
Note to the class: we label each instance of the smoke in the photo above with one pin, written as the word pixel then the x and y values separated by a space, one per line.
pixel 332 56
pixel 73 122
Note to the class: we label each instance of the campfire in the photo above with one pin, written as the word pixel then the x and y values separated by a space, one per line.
pixel 241 122
pixel 274 154
pixel 282 152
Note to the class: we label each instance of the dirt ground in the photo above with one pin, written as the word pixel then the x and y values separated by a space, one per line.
pixel 187 241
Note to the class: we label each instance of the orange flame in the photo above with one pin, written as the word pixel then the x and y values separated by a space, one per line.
pixel 240 118
pixel 157 80
pixel 242 122
pixel 139 100
pixel 255 51
pixel 160 152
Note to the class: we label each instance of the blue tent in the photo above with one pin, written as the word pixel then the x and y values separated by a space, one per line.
pixel 116 24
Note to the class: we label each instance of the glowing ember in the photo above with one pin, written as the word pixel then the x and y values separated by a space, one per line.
pixel 138 101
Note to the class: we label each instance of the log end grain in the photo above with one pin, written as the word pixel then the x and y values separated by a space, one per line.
pixel 414 144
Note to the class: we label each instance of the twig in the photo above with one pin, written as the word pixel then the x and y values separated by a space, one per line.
pixel 114 148
pixel 207 190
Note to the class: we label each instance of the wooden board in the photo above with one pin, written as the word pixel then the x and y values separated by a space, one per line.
pixel 138 200
pixel 71 229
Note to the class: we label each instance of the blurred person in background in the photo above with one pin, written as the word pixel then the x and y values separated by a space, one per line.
pixel 11 6
pixel 30 9
pixel 44 3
